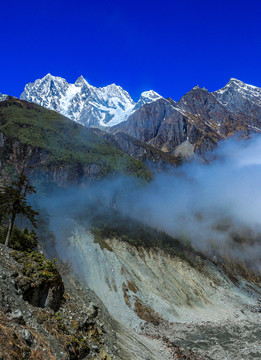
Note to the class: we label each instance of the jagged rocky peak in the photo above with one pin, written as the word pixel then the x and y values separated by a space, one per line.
pixel 81 82
pixel 117 96
pixel 84 103
pixel 239 97
pixel 198 88
pixel 236 81
pixel 241 87
pixel 114 89
pixel 81 79
pixel 171 101
pixel 46 92
pixel 195 100
pixel 50 80
pixel 147 97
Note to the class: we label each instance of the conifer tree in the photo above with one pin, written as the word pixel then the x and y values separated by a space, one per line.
pixel 14 201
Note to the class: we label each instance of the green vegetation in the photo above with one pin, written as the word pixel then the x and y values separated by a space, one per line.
pixel 14 202
pixel 137 234
pixel 78 347
pixel 98 239
pixel 21 240
pixel 35 264
pixel 65 142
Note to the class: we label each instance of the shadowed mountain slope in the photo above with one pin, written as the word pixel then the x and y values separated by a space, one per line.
pixel 57 148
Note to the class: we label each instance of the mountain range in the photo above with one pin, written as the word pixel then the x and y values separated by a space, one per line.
pixel 84 103
pixel 194 124
pixel 123 288
pixel 91 132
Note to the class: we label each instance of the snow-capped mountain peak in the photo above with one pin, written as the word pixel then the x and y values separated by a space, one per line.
pixel 117 92
pixel 81 81
pixel 84 103
pixel 238 96
pixel 235 85
pixel 3 97
pixel 235 80
pixel 147 97
pixel 151 95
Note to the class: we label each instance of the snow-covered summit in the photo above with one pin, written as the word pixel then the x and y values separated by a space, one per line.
pixel 147 97
pixel 3 97
pixel 150 95
pixel 238 96
pixel 84 103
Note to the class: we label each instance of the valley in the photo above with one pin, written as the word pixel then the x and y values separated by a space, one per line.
pixel 152 212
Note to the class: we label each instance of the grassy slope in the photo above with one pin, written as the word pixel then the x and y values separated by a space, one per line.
pixel 66 141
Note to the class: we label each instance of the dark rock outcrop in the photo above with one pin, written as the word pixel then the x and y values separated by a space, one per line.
pixel 39 281
pixel 67 325
pixel 199 118
pixel 165 126
pixel 140 150
pixel 144 123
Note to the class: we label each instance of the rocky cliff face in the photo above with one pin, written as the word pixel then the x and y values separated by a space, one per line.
pixel 132 303
pixel 198 121
pixel 37 163
pixel 166 127
pixel 153 157
pixel 156 293
pixel 241 98
pixel 144 123
pixel 78 327
pixel 41 319
pixel 219 117
pixel 158 124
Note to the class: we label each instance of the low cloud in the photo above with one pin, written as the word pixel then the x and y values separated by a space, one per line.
pixel 208 204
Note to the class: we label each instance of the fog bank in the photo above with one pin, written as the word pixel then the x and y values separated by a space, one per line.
pixel 206 204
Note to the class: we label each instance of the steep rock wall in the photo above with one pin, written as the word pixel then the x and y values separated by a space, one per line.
pixel 146 285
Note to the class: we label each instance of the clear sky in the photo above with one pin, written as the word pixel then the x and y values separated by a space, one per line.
pixel 167 46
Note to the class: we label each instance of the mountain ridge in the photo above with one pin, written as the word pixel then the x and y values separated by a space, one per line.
pixel 199 119
pixel 194 124
pixel 84 103
pixel 57 149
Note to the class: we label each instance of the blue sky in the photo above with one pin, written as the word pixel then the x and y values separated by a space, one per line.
pixel 168 46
